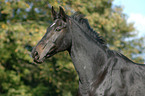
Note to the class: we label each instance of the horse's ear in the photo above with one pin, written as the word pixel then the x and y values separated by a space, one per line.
pixel 53 13
pixel 62 13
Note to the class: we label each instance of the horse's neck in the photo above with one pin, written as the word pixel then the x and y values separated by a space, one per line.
pixel 87 56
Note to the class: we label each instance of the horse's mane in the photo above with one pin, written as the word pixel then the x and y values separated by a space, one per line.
pixel 89 31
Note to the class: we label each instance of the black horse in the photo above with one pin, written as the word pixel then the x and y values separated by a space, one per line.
pixel 102 72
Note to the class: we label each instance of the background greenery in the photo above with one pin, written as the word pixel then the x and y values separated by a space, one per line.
pixel 22 25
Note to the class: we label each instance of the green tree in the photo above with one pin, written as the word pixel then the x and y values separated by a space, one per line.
pixel 22 25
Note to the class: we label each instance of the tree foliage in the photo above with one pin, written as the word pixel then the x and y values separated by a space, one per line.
pixel 22 25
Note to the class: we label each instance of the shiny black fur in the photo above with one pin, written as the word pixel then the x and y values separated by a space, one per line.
pixel 102 72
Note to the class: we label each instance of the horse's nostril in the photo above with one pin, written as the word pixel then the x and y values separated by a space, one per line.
pixel 35 53
pixel 36 56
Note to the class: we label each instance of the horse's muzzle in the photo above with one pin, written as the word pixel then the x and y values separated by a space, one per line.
pixel 36 57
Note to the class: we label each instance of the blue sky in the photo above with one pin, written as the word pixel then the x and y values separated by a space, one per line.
pixel 135 9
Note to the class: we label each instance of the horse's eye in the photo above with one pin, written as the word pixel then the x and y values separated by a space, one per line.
pixel 58 29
